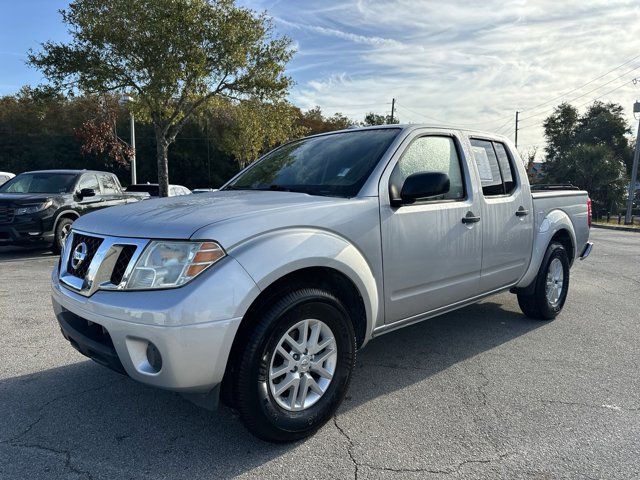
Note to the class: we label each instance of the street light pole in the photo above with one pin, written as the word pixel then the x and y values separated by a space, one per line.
pixel 134 178
pixel 127 100
pixel 634 171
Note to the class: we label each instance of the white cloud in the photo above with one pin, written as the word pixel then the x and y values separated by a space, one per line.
pixel 468 62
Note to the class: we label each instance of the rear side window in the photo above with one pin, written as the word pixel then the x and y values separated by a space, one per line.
pixel 494 167
pixel 109 185
pixel 432 154
pixel 506 167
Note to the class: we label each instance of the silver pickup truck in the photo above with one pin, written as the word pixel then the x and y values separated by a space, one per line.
pixel 262 292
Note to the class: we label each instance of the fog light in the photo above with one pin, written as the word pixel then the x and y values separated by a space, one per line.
pixel 153 357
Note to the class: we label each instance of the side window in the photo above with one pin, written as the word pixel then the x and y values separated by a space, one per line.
pixel 488 167
pixel 109 187
pixel 432 154
pixel 506 167
pixel 89 181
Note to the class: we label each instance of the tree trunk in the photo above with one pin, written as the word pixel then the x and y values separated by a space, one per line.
pixel 162 150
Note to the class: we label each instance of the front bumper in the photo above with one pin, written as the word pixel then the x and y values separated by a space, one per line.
pixel 28 229
pixel 193 352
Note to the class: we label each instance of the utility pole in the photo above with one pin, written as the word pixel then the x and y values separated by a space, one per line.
pixel 134 178
pixel 634 171
pixel 126 100
pixel 516 142
pixel 393 108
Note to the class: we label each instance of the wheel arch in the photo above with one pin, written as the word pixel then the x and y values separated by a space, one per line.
pixel 65 214
pixel 556 226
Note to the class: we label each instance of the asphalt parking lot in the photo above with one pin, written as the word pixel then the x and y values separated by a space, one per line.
pixel 483 392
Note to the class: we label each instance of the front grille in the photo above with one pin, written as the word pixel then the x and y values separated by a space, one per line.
pixel 92 243
pixel 6 214
pixel 122 263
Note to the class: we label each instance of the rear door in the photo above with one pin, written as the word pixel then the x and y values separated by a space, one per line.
pixel 431 258
pixel 111 190
pixel 86 204
pixel 507 214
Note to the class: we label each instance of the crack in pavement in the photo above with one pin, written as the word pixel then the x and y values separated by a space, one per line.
pixel 66 453
pixel 349 446
pixel 442 471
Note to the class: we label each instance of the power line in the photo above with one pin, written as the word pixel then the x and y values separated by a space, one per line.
pixel 583 85
pixel 584 94
pixel 588 101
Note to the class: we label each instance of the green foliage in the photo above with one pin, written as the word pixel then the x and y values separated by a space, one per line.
pixel 249 128
pixel 371 119
pixel 313 121
pixel 171 55
pixel 591 151
pixel 42 131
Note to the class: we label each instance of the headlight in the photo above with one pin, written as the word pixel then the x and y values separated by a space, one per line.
pixel 36 207
pixel 166 264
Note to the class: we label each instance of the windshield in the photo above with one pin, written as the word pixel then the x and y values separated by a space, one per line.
pixel 40 183
pixel 334 165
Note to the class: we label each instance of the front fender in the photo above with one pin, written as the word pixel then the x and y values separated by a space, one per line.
pixel 555 221
pixel 271 256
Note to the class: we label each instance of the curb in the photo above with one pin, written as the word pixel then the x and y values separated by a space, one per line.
pixel 611 227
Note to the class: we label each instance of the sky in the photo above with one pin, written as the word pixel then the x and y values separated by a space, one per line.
pixel 468 63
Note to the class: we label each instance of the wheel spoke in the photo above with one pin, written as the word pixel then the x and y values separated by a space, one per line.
pixel 325 343
pixel 286 384
pixel 294 393
pixel 286 355
pixel 280 371
pixel 302 390
pixel 295 345
pixel 313 339
pixel 320 370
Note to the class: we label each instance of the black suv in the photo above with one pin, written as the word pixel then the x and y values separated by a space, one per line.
pixel 39 207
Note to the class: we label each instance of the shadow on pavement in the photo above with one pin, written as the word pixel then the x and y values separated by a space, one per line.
pixel 86 412
pixel 22 253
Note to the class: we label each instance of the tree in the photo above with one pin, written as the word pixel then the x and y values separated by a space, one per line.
pixel 99 135
pixel 372 118
pixel 250 128
pixel 172 56
pixel 589 150
pixel 313 121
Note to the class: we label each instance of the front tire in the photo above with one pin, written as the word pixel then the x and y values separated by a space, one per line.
pixel 551 286
pixel 63 228
pixel 296 365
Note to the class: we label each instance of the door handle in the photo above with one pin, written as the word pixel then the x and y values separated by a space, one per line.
pixel 470 218
pixel 522 212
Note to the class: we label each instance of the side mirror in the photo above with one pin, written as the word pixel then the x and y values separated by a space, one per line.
pixel 422 185
pixel 87 192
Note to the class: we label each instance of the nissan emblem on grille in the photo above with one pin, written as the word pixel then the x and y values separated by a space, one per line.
pixel 79 255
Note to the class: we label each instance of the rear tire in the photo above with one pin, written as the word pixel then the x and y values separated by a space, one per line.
pixel 550 286
pixel 60 235
pixel 288 337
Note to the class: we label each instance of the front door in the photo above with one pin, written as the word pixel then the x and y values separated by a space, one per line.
pixel 431 258
pixel 507 215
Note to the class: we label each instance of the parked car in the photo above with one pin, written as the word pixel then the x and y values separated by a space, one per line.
pixel 5 177
pixel 263 291
pixel 204 190
pixel 39 207
pixel 154 190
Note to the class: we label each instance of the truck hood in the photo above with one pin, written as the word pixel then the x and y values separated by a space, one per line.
pixel 180 217
pixel 19 198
